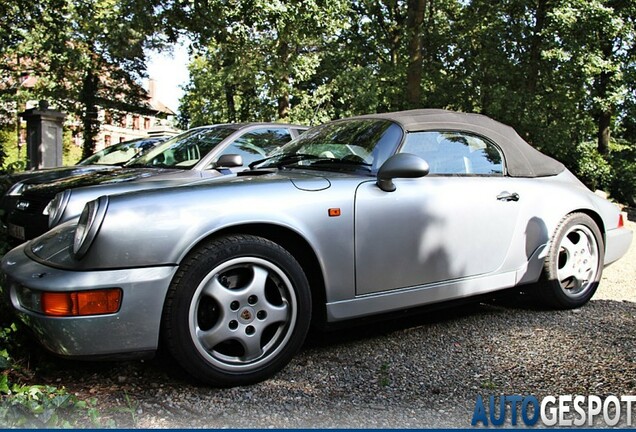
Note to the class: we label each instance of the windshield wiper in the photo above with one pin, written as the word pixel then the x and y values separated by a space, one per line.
pixel 295 158
pixel 342 162
pixel 251 165
pixel 355 163
pixel 285 160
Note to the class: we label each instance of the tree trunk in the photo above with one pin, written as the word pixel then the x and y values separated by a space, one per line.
pixel 604 116
pixel 536 46
pixel 283 96
pixel 283 105
pixel 90 122
pixel 231 106
pixel 604 124
pixel 248 98
pixel 415 18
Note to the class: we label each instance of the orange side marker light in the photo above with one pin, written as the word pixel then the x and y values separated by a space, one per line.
pixel 334 212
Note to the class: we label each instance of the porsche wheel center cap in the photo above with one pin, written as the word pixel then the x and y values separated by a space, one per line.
pixel 246 315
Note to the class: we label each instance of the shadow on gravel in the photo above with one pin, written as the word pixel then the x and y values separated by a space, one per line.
pixel 376 326
pixel 119 375
pixel 162 368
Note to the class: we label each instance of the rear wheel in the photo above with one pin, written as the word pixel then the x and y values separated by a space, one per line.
pixel 573 267
pixel 237 311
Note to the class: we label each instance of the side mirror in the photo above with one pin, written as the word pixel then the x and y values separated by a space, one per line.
pixel 401 165
pixel 229 161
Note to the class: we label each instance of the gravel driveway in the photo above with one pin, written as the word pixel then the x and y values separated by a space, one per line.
pixel 423 371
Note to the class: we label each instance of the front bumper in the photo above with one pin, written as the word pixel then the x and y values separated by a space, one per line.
pixel 31 223
pixel 617 242
pixel 133 329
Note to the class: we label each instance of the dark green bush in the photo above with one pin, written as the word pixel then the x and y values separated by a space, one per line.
pixel 615 173
pixel 591 168
pixel 622 185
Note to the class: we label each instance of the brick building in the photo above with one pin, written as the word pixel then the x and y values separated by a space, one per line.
pixel 154 119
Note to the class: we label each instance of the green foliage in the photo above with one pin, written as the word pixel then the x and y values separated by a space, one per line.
pixel 592 168
pixel 12 339
pixel 261 61
pixel 622 160
pixel 615 174
pixel 84 54
pixel 130 408
pixel 11 162
pixel 7 340
pixel 384 375
pixel 71 153
pixel 488 385
pixel 36 406
pixel 25 405
pixel 563 74
pixel 558 72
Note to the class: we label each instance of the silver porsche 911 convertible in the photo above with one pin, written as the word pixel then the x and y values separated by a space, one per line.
pixel 356 217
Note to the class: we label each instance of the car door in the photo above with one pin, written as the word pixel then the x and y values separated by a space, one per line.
pixel 455 223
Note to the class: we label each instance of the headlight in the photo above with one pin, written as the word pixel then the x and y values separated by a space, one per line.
pixel 18 189
pixel 88 225
pixel 55 209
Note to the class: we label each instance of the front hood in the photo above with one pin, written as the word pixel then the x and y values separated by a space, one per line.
pixel 51 174
pixel 242 184
pixel 78 197
pixel 35 177
pixel 117 175
pixel 174 219
pixel 310 181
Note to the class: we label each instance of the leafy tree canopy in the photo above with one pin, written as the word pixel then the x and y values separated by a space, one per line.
pixel 84 53
pixel 562 72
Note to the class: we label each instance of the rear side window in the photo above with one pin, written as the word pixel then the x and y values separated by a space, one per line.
pixel 455 153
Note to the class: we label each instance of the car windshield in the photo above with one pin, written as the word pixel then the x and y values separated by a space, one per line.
pixel 184 150
pixel 360 144
pixel 119 154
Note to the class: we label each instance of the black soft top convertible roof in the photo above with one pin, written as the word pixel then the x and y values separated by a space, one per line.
pixel 522 160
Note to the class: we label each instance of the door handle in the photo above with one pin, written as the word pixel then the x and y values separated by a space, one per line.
pixel 507 196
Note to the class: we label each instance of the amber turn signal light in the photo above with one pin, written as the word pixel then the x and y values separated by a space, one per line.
pixel 81 303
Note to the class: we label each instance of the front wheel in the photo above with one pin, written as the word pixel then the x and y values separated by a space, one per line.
pixel 572 270
pixel 237 311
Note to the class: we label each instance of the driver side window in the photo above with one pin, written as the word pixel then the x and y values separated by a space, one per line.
pixel 455 153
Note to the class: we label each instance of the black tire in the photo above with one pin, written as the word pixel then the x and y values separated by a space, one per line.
pixel 572 270
pixel 237 311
